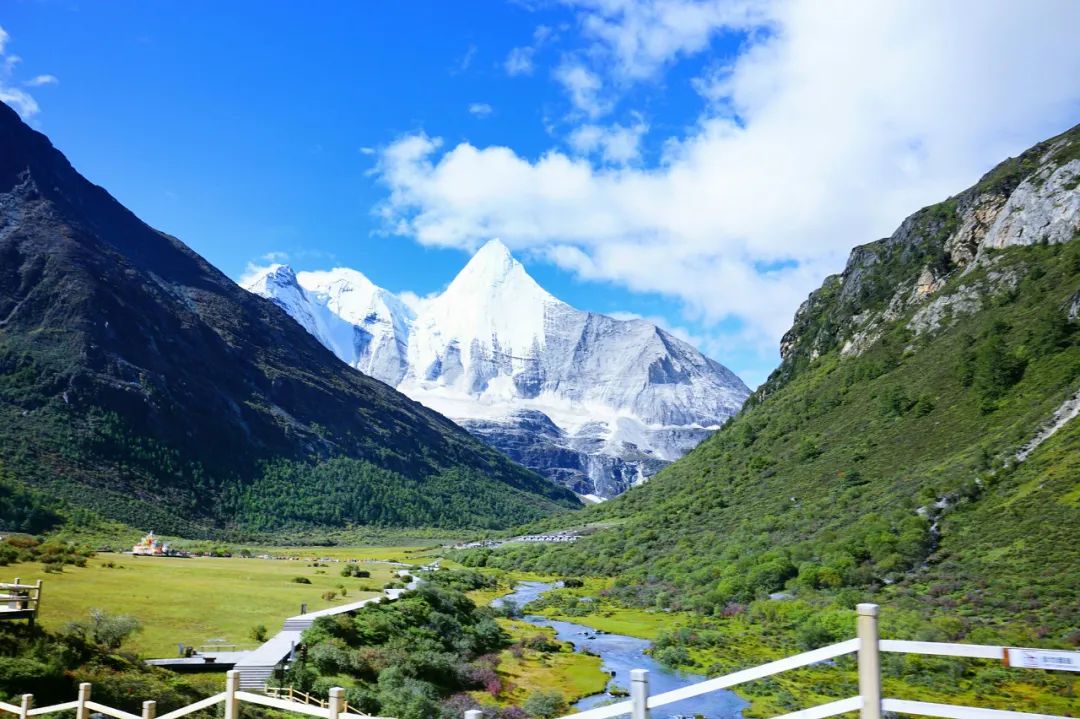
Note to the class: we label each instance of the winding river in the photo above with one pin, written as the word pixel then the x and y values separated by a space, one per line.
pixel 620 654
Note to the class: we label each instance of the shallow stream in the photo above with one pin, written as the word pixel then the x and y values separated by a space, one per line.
pixel 620 654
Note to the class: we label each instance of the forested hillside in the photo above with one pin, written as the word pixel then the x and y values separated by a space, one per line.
pixel 141 384
pixel 913 448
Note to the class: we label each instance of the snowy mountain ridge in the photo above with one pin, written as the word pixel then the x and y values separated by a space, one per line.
pixel 616 399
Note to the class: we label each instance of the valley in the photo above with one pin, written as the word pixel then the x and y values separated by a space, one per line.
pixel 170 596
pixel 544 498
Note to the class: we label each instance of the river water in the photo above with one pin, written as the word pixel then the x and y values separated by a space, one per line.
pixel 620 654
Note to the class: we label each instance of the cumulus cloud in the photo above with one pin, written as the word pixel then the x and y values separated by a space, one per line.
pixel 583 86
pixel 835 120
pixel 10 92
pixel 614 144
pixel 638 38
pixel 480 109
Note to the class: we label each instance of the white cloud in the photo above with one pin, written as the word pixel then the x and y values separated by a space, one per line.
pixel 275 257
pixel 416 302
pixel 465 61
pixel 614 144
pixel 583 86
pixel 21 100
pixel 835 121
pixel 480 109
pixel 519 61
pixel 42 80
pixel 638 38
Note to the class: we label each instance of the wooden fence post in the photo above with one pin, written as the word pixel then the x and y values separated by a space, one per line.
pixel 232 685
pixel 149 709
pixel 869 661
pixel 36 604
pixel 639 693
pixel 337 698
pixel 81 710
pixel 24 707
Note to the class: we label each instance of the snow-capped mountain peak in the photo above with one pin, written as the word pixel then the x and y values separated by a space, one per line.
pixel 491 270
pixel 353 297
pixel 591 401
pixel 275 275
pixel 492 314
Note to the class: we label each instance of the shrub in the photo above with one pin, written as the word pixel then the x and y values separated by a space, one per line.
pixel 544 704
pixel 106 630
pixel 673 657
pixel 259 633
pixel 301 580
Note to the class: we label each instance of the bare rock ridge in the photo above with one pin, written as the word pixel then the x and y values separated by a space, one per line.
pixel 592 402
pixel 1024 201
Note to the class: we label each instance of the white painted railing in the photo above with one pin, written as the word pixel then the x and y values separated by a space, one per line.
pixel 232 698
pixel 20 601
pixel 869 702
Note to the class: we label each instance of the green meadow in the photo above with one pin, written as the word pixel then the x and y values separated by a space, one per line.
pixel 205 599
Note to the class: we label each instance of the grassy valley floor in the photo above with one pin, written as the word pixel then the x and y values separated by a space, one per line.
pixel 204 599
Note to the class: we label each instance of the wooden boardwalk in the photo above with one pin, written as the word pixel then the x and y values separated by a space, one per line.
pixel 256 668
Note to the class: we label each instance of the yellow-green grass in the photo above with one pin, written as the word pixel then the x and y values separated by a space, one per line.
pixel 484 597
pixel 572 674
pixel 199 599
pixel 640 623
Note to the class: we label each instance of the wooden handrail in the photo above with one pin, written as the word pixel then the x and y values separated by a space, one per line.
pixel 294 694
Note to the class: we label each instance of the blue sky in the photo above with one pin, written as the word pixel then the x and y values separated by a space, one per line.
pixel 701 163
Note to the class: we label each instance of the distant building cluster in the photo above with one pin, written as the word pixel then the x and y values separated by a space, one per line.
pixel 492 543
pixel 151 546
pixel 557 537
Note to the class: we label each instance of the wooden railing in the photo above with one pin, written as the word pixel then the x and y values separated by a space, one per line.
pixel 20 601
pixel 295 695
pixel 869 702
pixel 232 698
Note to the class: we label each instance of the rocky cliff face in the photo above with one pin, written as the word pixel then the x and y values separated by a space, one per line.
pixel 616 399
pixel 1023 201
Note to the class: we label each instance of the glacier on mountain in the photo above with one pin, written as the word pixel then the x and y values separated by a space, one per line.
pixel 594 403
